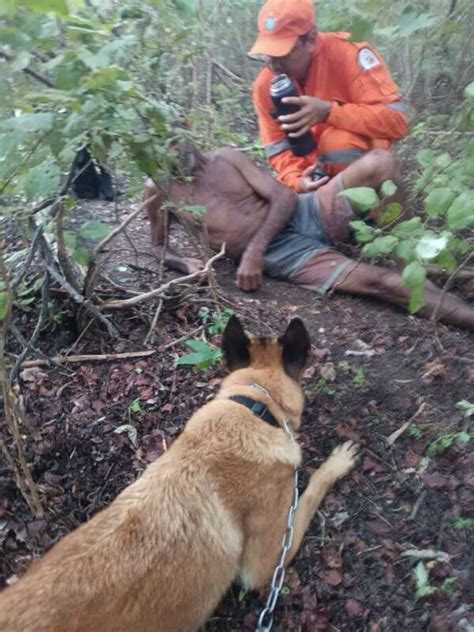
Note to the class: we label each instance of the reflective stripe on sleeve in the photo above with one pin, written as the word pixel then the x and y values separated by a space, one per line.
pixel 343 155
pixel 399 106
pixel 277 147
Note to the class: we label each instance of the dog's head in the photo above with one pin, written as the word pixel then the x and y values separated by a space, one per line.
pixel 276 363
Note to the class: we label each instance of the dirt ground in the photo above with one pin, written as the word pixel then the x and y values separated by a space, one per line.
pixel 97 425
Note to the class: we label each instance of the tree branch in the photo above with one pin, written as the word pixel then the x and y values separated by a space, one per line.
pixel 163 288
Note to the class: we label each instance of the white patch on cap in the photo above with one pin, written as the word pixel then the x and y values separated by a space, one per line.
pixel 367 59
pixel 270 23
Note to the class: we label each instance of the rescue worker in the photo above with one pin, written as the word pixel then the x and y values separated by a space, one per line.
pixel 348 99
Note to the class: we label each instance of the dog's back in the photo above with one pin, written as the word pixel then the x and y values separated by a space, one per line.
pixel 145 563
pixel 166 550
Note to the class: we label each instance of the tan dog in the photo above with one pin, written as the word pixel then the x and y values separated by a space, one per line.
pixel 211 509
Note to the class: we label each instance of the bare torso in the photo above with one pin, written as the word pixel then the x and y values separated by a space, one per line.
pixel 235 210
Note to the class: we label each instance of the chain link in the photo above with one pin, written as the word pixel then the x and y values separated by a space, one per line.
pixel 265 620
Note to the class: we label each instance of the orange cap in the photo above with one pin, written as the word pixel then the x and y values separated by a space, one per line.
pixel 280 23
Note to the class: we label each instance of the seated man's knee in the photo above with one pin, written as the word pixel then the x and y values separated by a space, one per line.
pixel 381 165
pixel 337 148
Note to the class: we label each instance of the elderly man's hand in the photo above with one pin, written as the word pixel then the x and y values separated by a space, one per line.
pixel 312 111
pixel 306 184
pixel 249 272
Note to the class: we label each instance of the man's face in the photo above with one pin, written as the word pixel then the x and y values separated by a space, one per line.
pixel 295 64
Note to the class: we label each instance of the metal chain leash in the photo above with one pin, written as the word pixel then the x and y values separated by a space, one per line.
pixel 265 620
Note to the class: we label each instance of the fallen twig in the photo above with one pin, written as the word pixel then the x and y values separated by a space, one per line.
pixel 447 285
pixel 165 287
pixel 427 554
pixel 37 330
pixel 23 478
pixel 78 298
pixel 394 436
pixel 100 247
pixel 77 359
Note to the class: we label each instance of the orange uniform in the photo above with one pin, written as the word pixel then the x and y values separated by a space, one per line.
pixel 367 111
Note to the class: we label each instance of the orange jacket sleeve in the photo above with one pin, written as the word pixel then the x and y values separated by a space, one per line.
pixel 373 108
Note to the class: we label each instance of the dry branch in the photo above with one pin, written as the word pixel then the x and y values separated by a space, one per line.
pixel 22 473
pixel 78 359
pixel 394 436
pixel 80 300
pixel 160 291
pixel 100 247
pixel 37 330
pixel 447 285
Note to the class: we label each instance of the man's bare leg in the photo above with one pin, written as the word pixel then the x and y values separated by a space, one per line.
pixel 364 279
pixel 158 227
pixel 387 285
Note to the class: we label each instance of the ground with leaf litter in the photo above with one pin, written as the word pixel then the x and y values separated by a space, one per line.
pixel 391 547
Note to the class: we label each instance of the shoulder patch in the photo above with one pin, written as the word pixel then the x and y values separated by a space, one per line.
pixel 367 59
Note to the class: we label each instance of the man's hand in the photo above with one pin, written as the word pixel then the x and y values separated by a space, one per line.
pixel 249 272
pixel 306 184
pixel 312 111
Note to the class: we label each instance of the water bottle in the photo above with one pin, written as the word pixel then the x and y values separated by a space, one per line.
pixel 282 86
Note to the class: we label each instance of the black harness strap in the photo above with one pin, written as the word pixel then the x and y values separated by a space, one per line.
pixel 257 408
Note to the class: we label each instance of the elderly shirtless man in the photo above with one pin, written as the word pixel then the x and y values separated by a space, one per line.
pixel 270 229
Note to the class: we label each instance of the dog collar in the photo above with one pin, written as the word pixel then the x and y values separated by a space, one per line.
pixel 257 408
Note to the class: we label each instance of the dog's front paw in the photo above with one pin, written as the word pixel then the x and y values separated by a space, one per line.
pixel 343 458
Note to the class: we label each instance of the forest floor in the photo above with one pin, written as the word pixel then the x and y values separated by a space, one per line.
pixel 373 368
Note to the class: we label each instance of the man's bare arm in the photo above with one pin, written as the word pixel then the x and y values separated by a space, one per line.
pixel 281 201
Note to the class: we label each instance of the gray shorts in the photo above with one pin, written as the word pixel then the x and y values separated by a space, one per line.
pixel 301 239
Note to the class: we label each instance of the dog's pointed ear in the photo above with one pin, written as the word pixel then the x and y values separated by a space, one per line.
pixel 235 345
pixel 296 348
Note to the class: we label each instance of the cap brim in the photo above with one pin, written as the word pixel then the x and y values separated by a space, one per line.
pixel 268 45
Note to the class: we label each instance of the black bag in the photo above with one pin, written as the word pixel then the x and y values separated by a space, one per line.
pixel 88 181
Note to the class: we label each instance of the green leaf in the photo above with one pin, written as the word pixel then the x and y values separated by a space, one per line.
pixel 45 6
pixel 21 61
pixel 410 228
pixel 4 302
pixel 204 356
pixel 200 346
pixel 363 232
pixel 410 22
pixel 94 229
pixel 388 188
pixel 392 212
pixel 43 180
pixel 430 246
pixel 405 250
pixel 82 256
pixel 438 201
pixel 380 246
pixel 414 276
pixel 198 210
pixel 447 260
pixel 364 198
pixel 461 212
pixel 469 91
pixel 466 408
pixel 361 29
pixel 70 239
pixel 443 161
pixel 41 122
pixel 423 588
pixel 425 157
pixel 187 7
